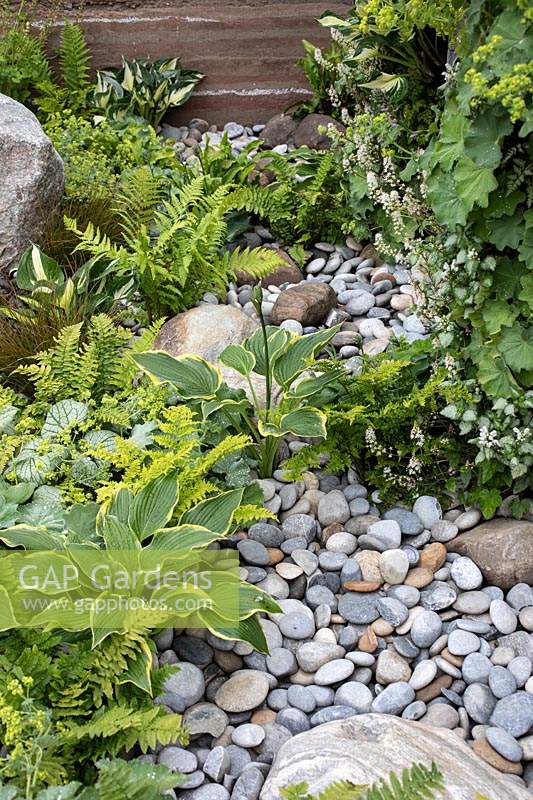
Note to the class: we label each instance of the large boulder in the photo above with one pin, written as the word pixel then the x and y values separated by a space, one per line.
pixel 367 747
pixel 31 180
pixel 502 549
pixel 278 130
pixel 205 331
pixel 308 303
pixel 309 131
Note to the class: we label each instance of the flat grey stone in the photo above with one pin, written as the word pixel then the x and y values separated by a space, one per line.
pixel 393 611
pixel 301 697
pixel 503 617
pixel 281 662
pixel 514 713
pixel 426 628
pixel 393 699
pixel 296 625
pixel 521 669
pixel 502 682
pixel 479 703
pixel 410 524
pixel 504 744
pixel 461 643
pixel 294 720
pixel 177 759
pixel 217 764
pixel 331 713
pixel 248 735
pixel 248 785
pixel 466 574
pixel 359 608
pixel 476 668
pixel 438 596
pixel 428 510
pixel 313 655
pixel 334 672
pixel 356 695
pixel 187 683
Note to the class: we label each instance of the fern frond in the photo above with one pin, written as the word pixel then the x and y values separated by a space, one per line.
pixel 102 354
pixel 139 195
pixel 56 374
pixel 416 783
pixel 74 57
pixel 133 780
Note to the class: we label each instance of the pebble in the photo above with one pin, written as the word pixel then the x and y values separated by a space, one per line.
pixel 504 744
pixel 466 574
pixel 394 566
pixel 355 695
pixel 313 655
pixel 479 703
pixel 428 510
pixel 502 682
pixel 393 699
pixel 424 673
pixel 461 643
pixel 503 617
pixel 426 628
pixel 334 672
pixel 244 691
pixel 514 713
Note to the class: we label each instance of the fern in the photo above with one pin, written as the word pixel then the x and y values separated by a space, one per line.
pixel 139 195
pixel 416 783
pixel 74 58
pixel 133 780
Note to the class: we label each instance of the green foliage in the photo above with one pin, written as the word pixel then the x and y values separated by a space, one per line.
pixel 174 253
pixel 117 780
pixel 387 423
pixel 23 62
pixel 271 356
pixel 144 88
pixel 416 783
pixel 307 199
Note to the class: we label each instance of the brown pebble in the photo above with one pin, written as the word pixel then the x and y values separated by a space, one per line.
pixel 383 276
pixel 488 754
pixel 433 689
pixel 433 556
pixel 361 586
pixel 228 661
pixel 275 555
pixel 368 561
pixel 382 628
pixel 368 642
pixel 190 142
pixel 263 716
pixel 457 661
pixel 419 577
pixel 328 531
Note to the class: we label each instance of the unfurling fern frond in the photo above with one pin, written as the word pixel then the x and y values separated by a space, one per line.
pixel 74 57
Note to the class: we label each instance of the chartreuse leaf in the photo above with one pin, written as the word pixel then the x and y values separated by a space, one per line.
pixel 139 669
pixel 516 346
pixel 152 506
pixel 303 422
pixel 238 358
pixel 298 352
pixel 191 375
pixel 473 183
pixel 215 513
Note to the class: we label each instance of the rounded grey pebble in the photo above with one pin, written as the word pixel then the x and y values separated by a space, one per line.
pixel 479 702
pixel 294 720
pixel 502 682
pixel 504 744
pixel 331 713
pixel 178 759
pixel 302 698
pixel 394 698
pixel 414 711
pixel 476 668
pixel 296 625
pixel 521 669
pixel 426 627
pixel 514 713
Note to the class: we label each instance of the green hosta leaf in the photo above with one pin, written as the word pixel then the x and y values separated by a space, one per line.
pixel 139 670
pixel 19 493
pixel 277 341
pixel 32 538
pixel 304 422
pixel 498 314
pixel 473 183
pixel 80 520
pixel 41 514
pixel 215 513
pixel 448 207
pixel 183 538
pixel 8 513
pixel 516 346
pixel 312 385
pixel 392 84
pixel 62 416
pixel 298 352
pixel 237 407
pixel 238 358
pixel 37 268
pixel 152 507
pixel 192 376
pixel 120 504
pixel 118 536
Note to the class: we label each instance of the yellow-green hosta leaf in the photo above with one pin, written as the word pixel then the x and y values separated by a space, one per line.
pixel 303 422
pixel 233 406
pixel 152 507
pixel 182 538
pixel 309 386
pixel 215 513
pixel 192 376
pixel 238 358
pixel 139 671
pixel 7 616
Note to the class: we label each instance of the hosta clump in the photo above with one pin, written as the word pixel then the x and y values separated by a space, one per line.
pixel 279 360
pixel 144 88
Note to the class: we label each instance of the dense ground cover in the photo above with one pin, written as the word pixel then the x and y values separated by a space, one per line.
pixel 421 183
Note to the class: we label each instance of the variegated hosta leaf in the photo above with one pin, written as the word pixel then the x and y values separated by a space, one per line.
pixel 238 358
pixel 37 268
pixel 63 415
pixel 215 513
pixel 298 352
pixel 152 506
pixel 31 538
pixel 277 341
pixel 192 376
pixel 308 422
